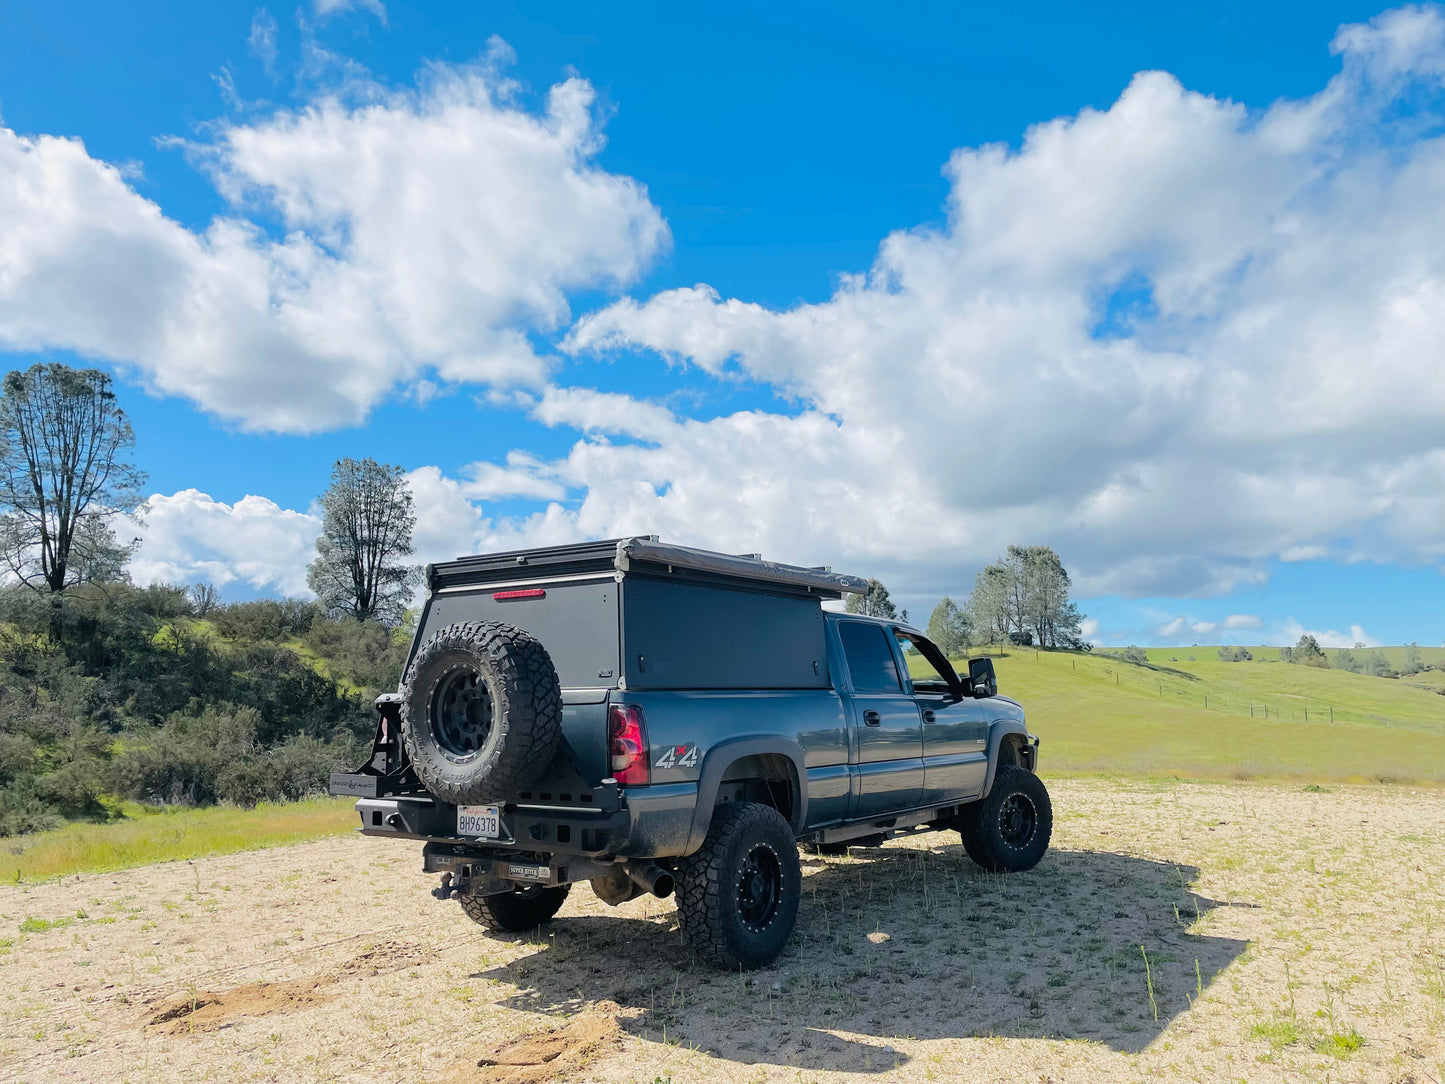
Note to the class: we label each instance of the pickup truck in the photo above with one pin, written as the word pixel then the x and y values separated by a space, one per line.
pixel 656 718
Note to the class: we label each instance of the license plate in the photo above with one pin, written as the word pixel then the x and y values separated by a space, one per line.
pixel 528 873
pixel 479 821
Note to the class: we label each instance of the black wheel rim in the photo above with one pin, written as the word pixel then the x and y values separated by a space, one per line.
pixel 1017 820
pixel 461 713
pixel 760 888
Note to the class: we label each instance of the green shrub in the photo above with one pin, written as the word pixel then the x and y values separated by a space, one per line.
pixel 363 654
pixel 265 619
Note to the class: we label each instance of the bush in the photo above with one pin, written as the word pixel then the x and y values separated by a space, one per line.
pixel 1135 655
pixel 269 619
pixel 1235 654
pixel 363 654
pixel 182 761
pixel 119 691
pixel 215 757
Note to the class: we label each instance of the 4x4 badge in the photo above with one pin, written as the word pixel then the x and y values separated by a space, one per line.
pixel 678 756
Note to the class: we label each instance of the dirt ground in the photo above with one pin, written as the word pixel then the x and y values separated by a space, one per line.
pixel 1174 932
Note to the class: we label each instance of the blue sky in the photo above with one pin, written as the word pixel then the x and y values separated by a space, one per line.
pixel 969 278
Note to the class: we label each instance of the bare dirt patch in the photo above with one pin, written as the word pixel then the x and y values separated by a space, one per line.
pixel 206 1010
pixel 1175 932
pixel 552 1053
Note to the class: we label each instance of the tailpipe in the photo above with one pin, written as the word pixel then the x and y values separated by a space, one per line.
pixel 650 877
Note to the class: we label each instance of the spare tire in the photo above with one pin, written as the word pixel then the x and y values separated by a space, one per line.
pixel 481 712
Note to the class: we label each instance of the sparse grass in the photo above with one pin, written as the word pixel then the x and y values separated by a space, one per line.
pixel 1279 1033
pixel 167 835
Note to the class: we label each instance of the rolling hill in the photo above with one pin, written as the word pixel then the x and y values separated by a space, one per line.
pixel 1186 713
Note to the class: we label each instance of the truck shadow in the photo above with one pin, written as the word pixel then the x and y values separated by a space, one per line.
pixel 896 942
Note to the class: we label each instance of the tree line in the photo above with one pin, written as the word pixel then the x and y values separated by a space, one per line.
pixel 111 691
pixel 1021 599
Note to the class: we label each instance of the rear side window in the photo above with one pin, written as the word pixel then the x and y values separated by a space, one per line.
pixel 870 660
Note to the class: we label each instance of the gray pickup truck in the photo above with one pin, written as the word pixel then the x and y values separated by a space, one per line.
pixel 657 718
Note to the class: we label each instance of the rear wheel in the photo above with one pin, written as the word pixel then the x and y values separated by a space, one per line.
pixel 518 910
pixel 737 898
pixel 1008 831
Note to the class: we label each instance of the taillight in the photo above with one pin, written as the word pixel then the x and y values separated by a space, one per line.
pixel 627 746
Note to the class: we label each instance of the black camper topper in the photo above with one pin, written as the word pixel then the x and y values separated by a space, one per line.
pixel 634 613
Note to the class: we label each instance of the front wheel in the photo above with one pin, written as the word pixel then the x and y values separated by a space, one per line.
pixel 516 911
pixel 737 899
pixel 1008 832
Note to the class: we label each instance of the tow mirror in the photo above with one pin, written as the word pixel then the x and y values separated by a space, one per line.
pixel 981 678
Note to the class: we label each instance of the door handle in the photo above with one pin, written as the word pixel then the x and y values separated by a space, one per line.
pixel 928 715
pixel 871 718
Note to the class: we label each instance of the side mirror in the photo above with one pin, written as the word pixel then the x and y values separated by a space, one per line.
pixel 981 678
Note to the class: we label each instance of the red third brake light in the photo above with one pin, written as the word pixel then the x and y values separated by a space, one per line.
pixel 627 745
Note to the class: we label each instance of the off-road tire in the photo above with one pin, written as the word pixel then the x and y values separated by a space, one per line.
pixel 1009 831
pixel 517 911
pixel 468 747
pixel 727 922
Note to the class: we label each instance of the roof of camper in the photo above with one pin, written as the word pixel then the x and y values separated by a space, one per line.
pixel 623 554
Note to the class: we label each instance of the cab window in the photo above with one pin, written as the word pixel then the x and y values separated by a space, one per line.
pixel 870 660
pixel 927 677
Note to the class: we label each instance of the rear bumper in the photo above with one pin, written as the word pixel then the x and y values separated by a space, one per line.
pixel 650 822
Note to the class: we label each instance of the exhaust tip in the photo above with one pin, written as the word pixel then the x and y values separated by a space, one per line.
pixel 663 886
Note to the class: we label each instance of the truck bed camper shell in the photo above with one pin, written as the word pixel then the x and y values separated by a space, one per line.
pixel 636 613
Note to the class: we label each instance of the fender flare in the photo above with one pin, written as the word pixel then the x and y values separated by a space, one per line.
pixel 723 756
pixel 998 730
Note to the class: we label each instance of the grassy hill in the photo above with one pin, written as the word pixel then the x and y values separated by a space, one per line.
pixel 1187 713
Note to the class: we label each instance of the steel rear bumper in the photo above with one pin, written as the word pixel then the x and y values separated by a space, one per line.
pixel 651 822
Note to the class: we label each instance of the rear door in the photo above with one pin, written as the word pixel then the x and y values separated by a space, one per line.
pixel 886 725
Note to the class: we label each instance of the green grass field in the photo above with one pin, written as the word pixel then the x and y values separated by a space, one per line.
pixel 148 835
pixel 1266 720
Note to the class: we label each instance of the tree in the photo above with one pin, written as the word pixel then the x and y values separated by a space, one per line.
pixel 1234 654
pixel 949 628
pixel 204 599
pixel 368 517
pixel 1307 653
pixel 1344 659
pixel 988 605
pixel 1024 598
pixel 65 475
pixel 875 603
pixel 1413 663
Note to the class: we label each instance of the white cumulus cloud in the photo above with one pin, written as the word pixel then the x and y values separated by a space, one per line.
pixel 188 537
pixel 423 234
pixel 1176 338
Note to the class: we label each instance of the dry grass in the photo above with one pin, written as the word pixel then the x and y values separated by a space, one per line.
pixel 1288 934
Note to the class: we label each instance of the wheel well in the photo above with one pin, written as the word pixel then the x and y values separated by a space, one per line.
pixel 766 778
pixel 1014 750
